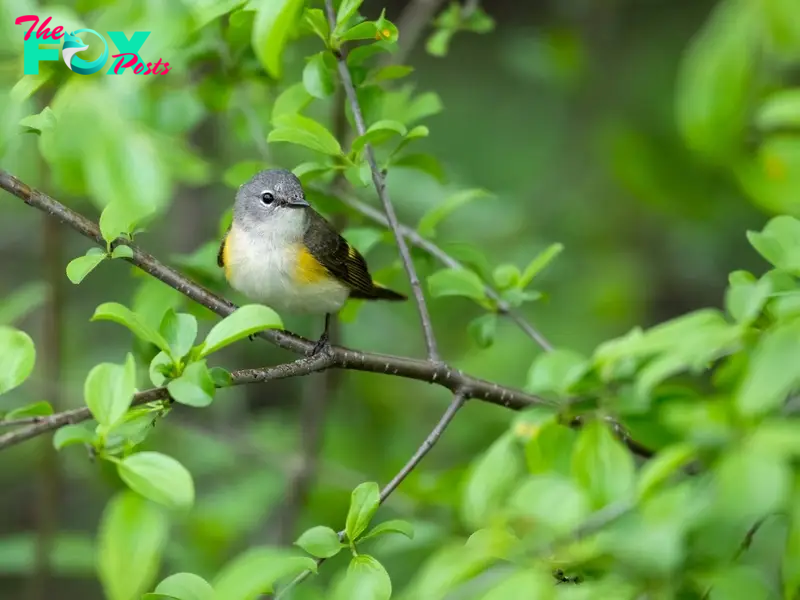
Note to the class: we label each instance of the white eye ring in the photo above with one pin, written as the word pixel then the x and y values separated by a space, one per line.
pixel 267 198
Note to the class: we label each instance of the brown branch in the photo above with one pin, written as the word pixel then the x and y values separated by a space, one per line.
pixel 379 180
pixel 459 398
pixel 343 358
pixel 299 367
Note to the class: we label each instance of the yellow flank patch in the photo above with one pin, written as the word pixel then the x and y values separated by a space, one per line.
pixel 226 250
pixel 308 269
pixel 352 252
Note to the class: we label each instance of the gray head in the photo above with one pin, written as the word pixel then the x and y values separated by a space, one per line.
pixel 273 195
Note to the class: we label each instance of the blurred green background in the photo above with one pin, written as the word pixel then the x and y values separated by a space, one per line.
pixel 566 112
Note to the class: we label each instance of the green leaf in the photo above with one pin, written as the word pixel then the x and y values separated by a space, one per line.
pixel 119 218
pixel 133 535
pixel 421 162
pixel 320 541
pixel 318 22
pixel 779 243
pixel 72 434
pixel 393 526
pixel 220 377
pixel 490 480
pixel 160 367
pixel 436 214
pixel 745 301
pixel 386 30
pixel 290 101
pixel 241 323
pixel 483 329
pixel 22 301
pixel 112 311
pixel 318 76
pixel 364 502
pixel 255 572
pixel 659 468
pixel 357 56
pixel 556 371
pixel 366 579
pixel 185 586
pixel 297 129
pixel 457 282
pixel 551 500
pixel 446 569
pixel 363 239
pixel 750 484
pixel 179 330
pixel 275 20
pixel 122 251
pixel 359 175
pixel 159 478
pixel 363 31
pixel 17 357
pixel 389 73
pixel 44 121
pixel 506 276
pixel 439 42
pixel 782 26
pixel 237 174
pixel 772 371
pixel 521 585
pixel 602 465
pixel 538 264
pixel 780 110
pixel 37 409
pixel 716 78
pixel 108 390
pixel 347 9
pixel 194 387
pixel 308 171
pixel 790 567
pixel 79 268
pixel 378 133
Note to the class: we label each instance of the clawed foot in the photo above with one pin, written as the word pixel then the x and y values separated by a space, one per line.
pixel 322 344
pixel 252 337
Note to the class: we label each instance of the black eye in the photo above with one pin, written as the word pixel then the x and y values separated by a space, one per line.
pixel 267 197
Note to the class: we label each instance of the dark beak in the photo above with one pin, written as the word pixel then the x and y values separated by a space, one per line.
pixel 297 202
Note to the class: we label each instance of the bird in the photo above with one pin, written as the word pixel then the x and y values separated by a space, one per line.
pixel 280 252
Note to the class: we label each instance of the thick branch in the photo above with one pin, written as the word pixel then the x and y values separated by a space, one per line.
pixel 459 397
pixel 379 180
pixel 299 367
pixel 343 358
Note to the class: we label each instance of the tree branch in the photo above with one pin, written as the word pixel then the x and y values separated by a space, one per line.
pixel 411 23
pixel 459 398
pixel 379 180
pixel 343 358
pixel 301 366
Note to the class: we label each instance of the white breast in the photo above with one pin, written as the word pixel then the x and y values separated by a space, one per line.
pixel 261 264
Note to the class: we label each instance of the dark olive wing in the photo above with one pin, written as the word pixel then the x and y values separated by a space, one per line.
pixel 334 253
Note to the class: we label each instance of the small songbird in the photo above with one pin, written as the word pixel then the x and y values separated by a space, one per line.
pixel 280 252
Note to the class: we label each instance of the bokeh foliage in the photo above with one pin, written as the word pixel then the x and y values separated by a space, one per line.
pixel 711 514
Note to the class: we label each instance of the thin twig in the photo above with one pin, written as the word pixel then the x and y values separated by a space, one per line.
pixel 459 397
pixel 503 307
pixel 344 358
pixel 379 180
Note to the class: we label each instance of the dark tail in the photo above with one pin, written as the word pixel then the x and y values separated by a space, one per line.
pixel 378 292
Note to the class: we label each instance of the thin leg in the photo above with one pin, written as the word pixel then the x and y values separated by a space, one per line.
pixel 323 339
